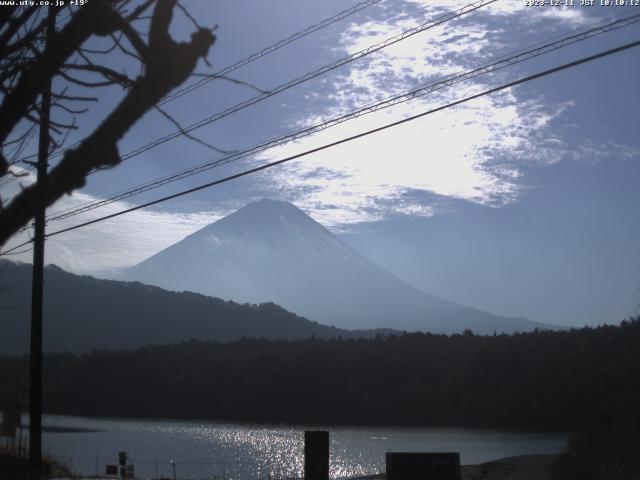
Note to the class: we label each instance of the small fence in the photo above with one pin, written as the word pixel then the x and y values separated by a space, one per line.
pixel 96 467
pixel 13 446
pixel 12 439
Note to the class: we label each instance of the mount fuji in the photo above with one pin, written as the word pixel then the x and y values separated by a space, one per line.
pixel 271 251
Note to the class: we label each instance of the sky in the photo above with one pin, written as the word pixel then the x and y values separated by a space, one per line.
pixel 522 203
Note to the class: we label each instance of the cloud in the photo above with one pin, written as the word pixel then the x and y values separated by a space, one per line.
pixel 474 152
pixel 112 244
pixel 513 8
pixel 449 154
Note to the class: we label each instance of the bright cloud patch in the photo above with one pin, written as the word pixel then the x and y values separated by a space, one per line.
pixel 451 153
pixel 473 151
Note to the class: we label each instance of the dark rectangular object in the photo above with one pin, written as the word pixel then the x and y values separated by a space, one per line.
pixel 122 458
pixel 423 466
pixel 111 470
pixel 316 455
pixel 11 423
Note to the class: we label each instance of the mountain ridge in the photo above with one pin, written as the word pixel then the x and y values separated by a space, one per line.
pixel 84 313
pixel 272 251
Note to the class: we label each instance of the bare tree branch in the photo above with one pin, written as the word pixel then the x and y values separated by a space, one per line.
pixel 69 110
pixel 74 98
pixel 167 64
pixel 135 15
pixel 106 72
pixel 188 15
pixel 136 41
pixel 97 17
pixel 84 83
pixel 232 80
pixel 117 41
pixel 190 136
pixel 14 25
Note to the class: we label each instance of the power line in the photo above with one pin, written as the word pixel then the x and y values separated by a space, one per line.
pixel 13 249
pixel 357 136
pixel 345 60
pixel 26 250
pixel 270 49
pixel 309 76
pixel 254 56
pixel 517 57
pixel 527 53
pixel 299 80
pixel 345 140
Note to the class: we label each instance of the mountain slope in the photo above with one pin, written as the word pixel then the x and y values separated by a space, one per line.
pixel 272 251
pixel 83 313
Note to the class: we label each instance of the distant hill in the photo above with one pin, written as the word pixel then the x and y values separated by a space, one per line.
pixel 83 313
pixel 273 251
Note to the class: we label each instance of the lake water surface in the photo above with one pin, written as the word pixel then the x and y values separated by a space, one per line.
pixel 242 451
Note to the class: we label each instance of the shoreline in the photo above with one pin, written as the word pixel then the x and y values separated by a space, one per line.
pixel 520 467
pixel 306 425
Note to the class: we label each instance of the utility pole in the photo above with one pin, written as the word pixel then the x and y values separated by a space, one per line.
pixel 35 395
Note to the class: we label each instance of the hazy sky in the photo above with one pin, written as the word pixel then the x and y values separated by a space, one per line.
pixel 523 203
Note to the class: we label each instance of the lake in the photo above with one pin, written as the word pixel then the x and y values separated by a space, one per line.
pixel 208 449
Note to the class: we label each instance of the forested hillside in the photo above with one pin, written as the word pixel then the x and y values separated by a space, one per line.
pixel 83 313
pixel 550 380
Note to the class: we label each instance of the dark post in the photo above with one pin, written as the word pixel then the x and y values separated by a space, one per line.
pixel 35 397
pixel 316 455
pixel 422 465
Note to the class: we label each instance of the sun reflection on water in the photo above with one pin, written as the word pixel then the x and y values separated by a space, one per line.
pixel 276 452
pixel 262 452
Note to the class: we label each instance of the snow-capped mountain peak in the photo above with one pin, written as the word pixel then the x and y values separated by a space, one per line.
pixel 271 251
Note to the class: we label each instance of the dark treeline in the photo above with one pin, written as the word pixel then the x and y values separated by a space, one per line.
pixel 550 380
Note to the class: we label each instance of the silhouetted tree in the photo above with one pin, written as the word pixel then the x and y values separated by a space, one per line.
pixel 27 63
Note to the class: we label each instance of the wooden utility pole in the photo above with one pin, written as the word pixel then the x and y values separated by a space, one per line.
pixel 35 395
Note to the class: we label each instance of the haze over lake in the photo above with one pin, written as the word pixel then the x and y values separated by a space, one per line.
pixel 206 449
